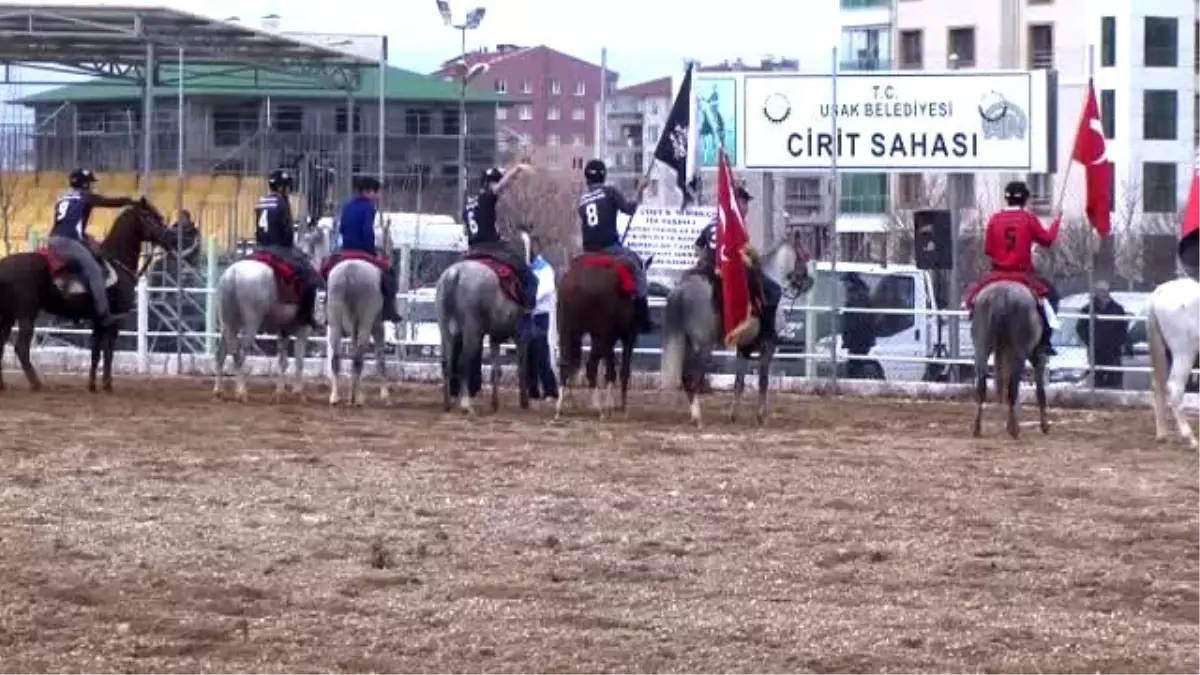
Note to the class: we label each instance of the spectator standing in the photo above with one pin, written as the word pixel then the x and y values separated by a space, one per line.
pixel 1111 336
pixel 540 375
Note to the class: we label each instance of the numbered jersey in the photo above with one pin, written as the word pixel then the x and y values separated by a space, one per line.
pixel 1011 234
pixel 598 209
pixel 479 217
pixel 273 217
pixel 71 215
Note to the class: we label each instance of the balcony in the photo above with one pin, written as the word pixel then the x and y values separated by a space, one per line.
pixel 1041 59
pixel 866 64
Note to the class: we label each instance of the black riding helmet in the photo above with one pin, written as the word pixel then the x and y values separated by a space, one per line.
pixel 280 179
pixel 1016 193
pixel 491 176
pixel 367 184
pixel 81 178
pixel 595 172
pixel 741 192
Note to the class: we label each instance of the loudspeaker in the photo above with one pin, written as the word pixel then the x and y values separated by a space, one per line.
pixel 932 243
pixel 1158 258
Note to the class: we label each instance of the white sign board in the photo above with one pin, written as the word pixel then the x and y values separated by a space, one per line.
pixel 962 121
pixel 667 234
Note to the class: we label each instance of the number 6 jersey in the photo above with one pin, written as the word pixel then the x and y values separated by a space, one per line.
pixel 598 209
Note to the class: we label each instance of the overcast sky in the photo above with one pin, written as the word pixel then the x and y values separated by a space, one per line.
pixel 645 38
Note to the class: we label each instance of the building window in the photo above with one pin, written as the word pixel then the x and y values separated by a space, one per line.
pixel 576 162
pixel 418 122
pixel 1041 46
pixel 233 124
pixel 553 113
pixel 866 48
pixel 1108 42
pixel 501 113
pixel 501 87
pixel 1108 112
pixel 910 190
pixel 802 198
pixel 289 119
pixel 339 121
pixel 578 114
pixel 450 122
pixel 555 87
pixel 552 140
pixel 525 112
pixel 577 140
pixel 653 132
pixel 1158 187
pixel 1161 42
pixel 864 193
pixel 526 87
pixel 960 43
pixel 1160 112
pixel 912 49
pixel 580 88
pixel 1041 188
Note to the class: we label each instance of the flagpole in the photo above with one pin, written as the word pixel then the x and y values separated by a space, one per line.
pixel 835 208
pixel 1091 57
pixel 1062 187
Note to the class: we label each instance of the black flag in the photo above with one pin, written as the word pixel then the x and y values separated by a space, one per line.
pixel 673 147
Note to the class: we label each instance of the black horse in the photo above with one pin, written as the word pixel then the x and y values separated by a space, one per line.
pixel 31 283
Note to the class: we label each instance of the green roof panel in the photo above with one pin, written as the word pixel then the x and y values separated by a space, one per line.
pixel 218 80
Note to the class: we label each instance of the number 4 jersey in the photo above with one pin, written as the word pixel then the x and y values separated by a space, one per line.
pixel 1011 234
pixel 273 215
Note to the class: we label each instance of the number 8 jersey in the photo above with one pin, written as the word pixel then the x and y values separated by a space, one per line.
pixel 598 209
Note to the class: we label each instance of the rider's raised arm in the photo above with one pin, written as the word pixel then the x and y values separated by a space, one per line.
pixel 619 201
pixel 103 202
pixel 1040 234
pixel 508 176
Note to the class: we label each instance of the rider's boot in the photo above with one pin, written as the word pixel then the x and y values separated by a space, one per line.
pixel 642 316
pixel 388 288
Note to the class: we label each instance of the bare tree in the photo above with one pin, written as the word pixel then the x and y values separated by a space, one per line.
pixel 11 198
pixel 544 203
pixel 1128 233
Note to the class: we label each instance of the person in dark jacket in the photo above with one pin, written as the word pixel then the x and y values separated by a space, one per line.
pixel 357 229
pixel 1110 336
pixel 276 234
pixel 858 328
pixel 480 218
pixel 69 238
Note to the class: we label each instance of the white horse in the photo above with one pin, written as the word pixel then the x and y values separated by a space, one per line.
pixel 248 303
pixel 1173 323
pixel 354 309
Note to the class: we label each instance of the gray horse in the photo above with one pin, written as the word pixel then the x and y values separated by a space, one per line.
pixel 1006 323
pixel 470 304
pixel 691 329
pixel 248 303
pixel 354 308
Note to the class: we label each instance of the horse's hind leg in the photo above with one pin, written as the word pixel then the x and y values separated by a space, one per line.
pixel 281 356
pixel 334 345
pixel 361 342
pixel 1181 368
pixel 592 372
pixel 494 357
pixel 765 356
pixel 6 325
pixel 244 343
pixel 97 339
pixel 739 384
pixel 610 380
pixel 380 343
pixel 981 384
pixel 1013 380
pixel 626 371
pixel 110 346
pixel 223 342
pixel 299 354
pixel 569 354
pixel 24 343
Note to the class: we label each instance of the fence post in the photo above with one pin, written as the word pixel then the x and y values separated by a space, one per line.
pixel 210 296
pixel 143 326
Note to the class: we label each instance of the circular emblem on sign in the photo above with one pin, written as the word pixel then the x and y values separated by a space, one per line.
pixel 777 108
pixel 993 106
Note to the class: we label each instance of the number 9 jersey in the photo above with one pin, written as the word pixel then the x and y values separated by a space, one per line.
pixel 598 209
pixel 1011 234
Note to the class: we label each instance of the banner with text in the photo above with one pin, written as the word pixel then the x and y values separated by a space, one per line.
pixel 667 234
pixel 891 122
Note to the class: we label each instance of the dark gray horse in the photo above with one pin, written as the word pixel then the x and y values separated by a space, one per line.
pixel 691 329
pixel 470 305
pixel 1006 324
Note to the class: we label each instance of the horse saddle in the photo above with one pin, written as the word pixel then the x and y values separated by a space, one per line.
pixel 67 276
pixel 332 261
pixel 289 283
pixel 510 283
pixel 624 267
pixel 1031 281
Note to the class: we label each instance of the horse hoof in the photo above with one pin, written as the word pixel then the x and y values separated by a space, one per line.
pixel 334 400
pixel 1045 428
pixel 217 395
pixel 91 387
pixel 108 388
pixel 761 419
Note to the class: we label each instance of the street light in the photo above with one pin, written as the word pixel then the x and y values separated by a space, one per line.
pixel 465 75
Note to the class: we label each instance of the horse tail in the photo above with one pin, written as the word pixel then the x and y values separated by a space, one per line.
pixel 1158 353
pixel 446 300
pixel 674 344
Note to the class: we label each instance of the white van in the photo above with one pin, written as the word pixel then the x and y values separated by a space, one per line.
pixel 903 338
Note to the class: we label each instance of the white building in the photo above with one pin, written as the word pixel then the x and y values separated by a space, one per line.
pixel 629 127
pixel 1145 67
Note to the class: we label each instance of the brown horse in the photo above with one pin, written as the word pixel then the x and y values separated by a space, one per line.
pixel 596 299
pixel 31 283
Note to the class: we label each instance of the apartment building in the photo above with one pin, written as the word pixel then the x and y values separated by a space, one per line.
pixel 1144 56
pixel 629 127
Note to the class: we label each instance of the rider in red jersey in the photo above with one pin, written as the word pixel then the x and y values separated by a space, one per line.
pixel 1011 235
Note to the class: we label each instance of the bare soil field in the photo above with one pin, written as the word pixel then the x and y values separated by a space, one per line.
pixel 155 530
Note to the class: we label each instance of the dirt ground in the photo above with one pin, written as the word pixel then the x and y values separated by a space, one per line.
pixel 155 530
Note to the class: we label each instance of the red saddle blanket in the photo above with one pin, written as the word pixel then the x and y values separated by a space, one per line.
pixel 286 278
pixel 59 265
pixel 626 281
pixel 510 283
pixel 326 267
pixel 1030 280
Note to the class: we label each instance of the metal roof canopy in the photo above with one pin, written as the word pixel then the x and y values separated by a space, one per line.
pixel 119 42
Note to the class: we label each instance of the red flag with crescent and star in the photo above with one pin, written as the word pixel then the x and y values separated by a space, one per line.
pixel 1191 211
pixel 1092 152
pixel 731 245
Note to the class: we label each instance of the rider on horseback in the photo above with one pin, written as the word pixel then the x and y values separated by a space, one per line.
pixel 706 245
pixel 1011 234
pixel 69 238
pixel 598 208
pixel 276 235
pixel 357 229
pixel 483 235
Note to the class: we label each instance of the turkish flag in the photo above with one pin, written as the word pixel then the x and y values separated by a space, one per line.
pixel 731 245
pixel 1091 151
pixel 1191 212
